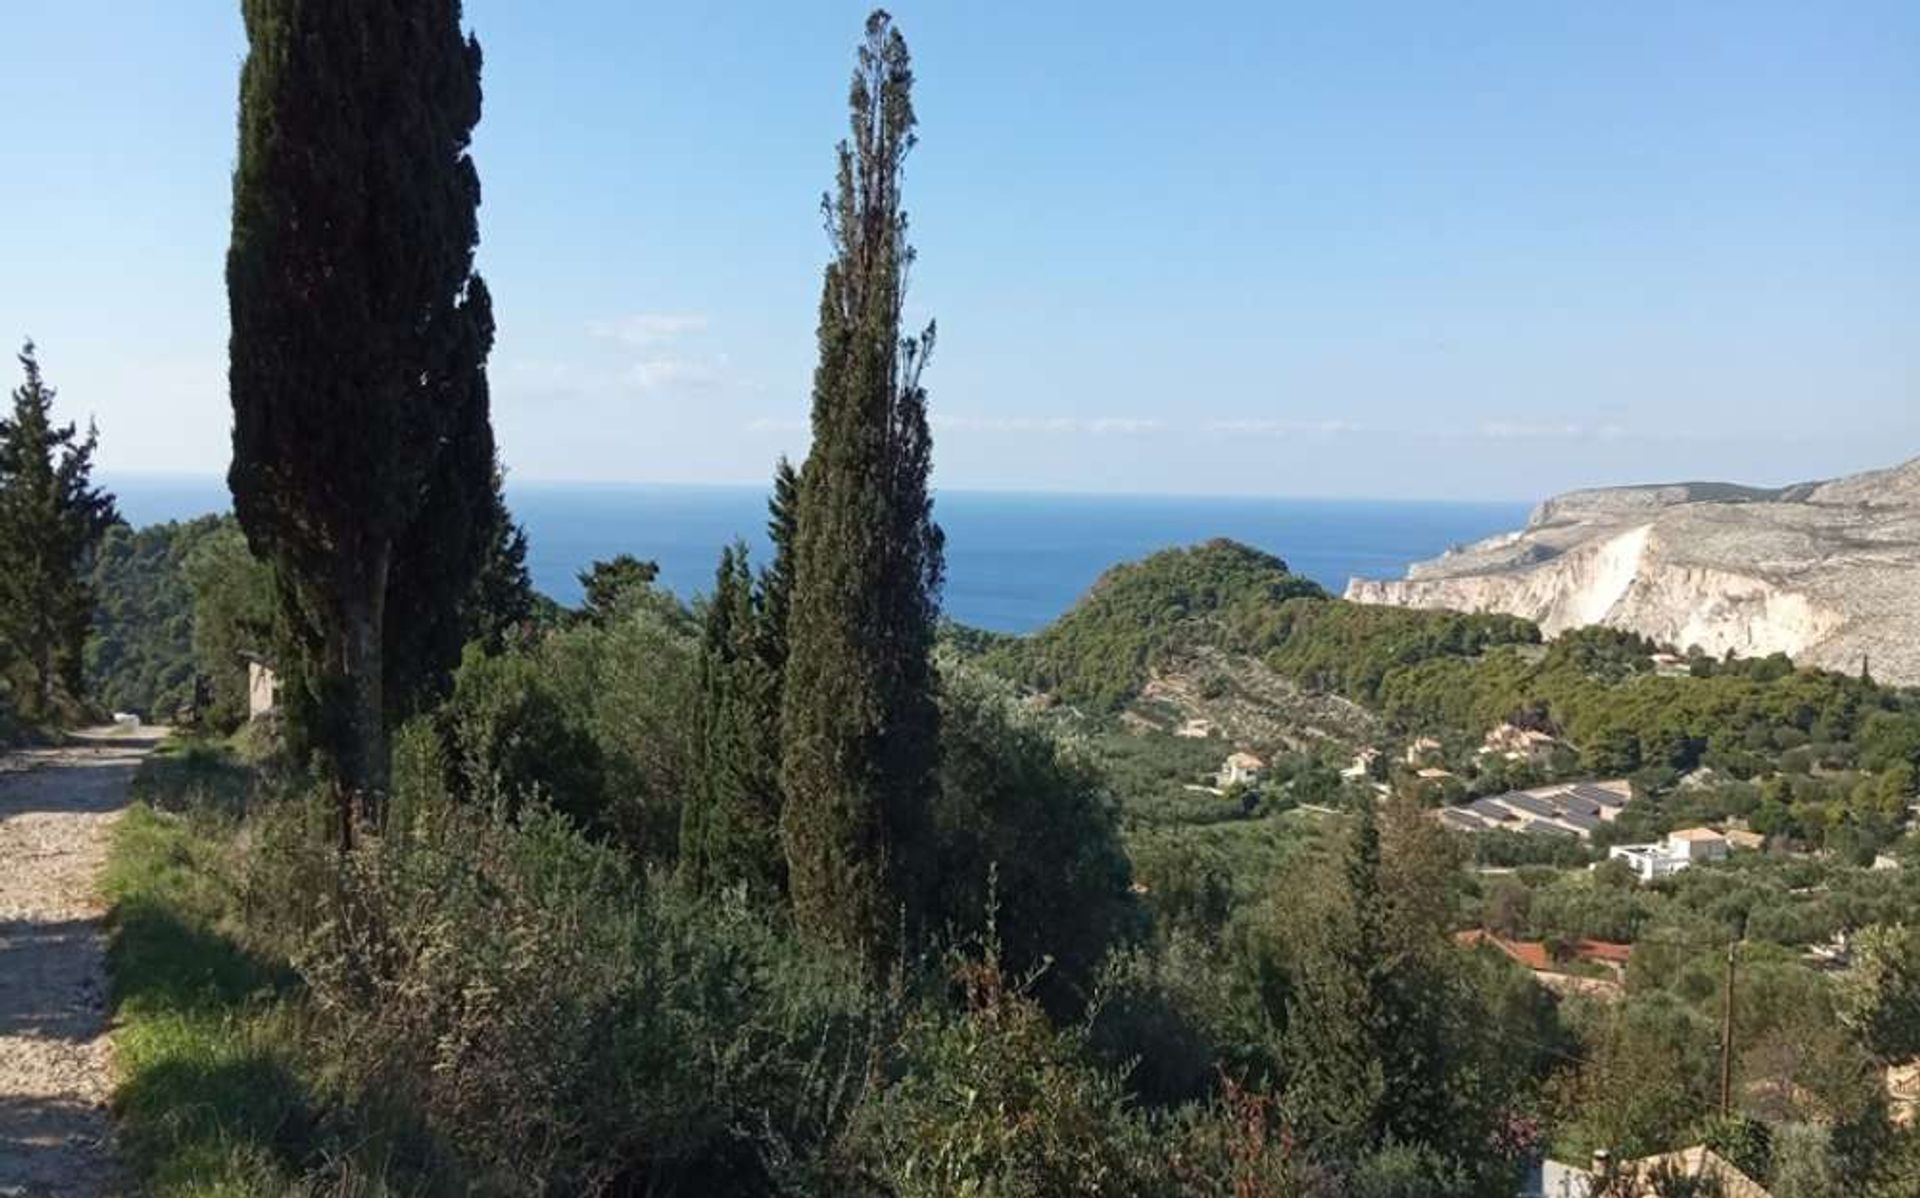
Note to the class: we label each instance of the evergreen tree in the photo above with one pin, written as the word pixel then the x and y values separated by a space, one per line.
pixel 859 719
pixel 440 561
pixel 51 519
pixel 1382 1030
pixel 502 601
pixel 1335 1017
pixel 607 586
pixel 730 831
pixel 359 333
pixel 776 581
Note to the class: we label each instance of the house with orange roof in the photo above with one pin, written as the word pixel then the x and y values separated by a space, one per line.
pixel 1549 967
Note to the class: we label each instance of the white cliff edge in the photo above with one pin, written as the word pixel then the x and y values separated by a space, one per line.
pixel 1828 573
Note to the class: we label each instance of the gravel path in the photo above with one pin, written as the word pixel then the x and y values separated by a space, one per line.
pixel 57 807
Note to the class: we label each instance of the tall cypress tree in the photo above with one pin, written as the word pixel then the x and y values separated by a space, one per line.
pixel 359 333
pixel 440 561
pixel 51 518
pixel 730 831
pixel 859 717
pixel 501 603
pixel 776 581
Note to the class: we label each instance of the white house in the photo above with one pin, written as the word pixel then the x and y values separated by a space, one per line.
pixel 1686 847
pixel 1241 769
pixel 1362 764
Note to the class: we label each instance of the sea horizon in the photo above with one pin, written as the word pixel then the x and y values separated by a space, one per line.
pixel 1016 559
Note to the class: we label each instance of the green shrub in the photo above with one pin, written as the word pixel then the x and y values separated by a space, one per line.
pixel 1024 828
pixel 510 740
pixel 995 1101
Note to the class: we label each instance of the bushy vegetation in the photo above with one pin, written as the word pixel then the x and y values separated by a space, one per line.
pixel 511 1003
pixel 179 608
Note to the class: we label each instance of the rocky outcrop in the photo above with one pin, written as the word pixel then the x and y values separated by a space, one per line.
pixel 1828 573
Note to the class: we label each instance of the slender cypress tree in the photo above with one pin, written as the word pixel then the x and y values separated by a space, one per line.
pixel 51 518
pixel 859 716
pixel 776 581
pixel 730 830
pixel 358 335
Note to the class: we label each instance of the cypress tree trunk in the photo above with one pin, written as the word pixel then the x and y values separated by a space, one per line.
pixel 859 717
pixel 363 664
pixel 363 456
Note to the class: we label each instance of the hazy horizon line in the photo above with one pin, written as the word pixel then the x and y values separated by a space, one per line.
pixel 108 477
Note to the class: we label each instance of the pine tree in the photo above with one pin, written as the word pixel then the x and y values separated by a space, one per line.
pixel 359 333
pixel 51 518
pixel 730 831
pixel 859 718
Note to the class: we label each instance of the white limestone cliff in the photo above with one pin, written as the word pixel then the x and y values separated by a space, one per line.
pixel 1828 573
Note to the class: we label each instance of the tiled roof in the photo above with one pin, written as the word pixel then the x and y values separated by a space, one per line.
pixel 1602 950
pixel 1696 834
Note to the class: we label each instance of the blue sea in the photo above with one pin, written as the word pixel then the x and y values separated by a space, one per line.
pixel 1014 560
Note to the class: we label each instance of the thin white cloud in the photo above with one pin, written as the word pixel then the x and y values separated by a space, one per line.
pixel 656 374
pixel 1505 430
pixel 1282 427
pixel 1101 425
pixel 648 328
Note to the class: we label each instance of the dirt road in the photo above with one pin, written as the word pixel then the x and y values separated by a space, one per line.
pixel 57 807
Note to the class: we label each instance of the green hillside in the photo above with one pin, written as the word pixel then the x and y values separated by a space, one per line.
pixel 1228 596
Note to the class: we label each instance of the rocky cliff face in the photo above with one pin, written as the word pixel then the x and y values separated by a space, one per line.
pixel 1828 573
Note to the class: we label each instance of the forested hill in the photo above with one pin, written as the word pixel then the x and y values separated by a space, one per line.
pixel 139 656
pixel 176 604
pixel 1834 751
pixel 1230 597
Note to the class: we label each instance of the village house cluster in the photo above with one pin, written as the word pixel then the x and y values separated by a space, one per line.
pixel 1682 848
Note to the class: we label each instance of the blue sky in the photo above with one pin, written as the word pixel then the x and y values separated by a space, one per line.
pixel 1392 250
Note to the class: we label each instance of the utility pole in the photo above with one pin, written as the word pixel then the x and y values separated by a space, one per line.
pixel 1726 1037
